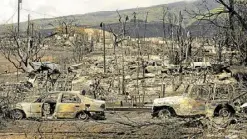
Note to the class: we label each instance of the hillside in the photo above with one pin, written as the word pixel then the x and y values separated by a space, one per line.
pixel 111 17
pixel 153 29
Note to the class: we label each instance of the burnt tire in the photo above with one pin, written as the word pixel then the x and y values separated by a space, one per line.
pixel 225 112
pixel 82 116
pixel 165 113
pixel 17 114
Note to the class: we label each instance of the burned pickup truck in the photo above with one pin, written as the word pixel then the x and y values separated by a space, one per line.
pixel 54 105
pixel 209 100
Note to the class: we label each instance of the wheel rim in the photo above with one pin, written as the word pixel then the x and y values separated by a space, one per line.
pixel 164 114
pixel 82 116
pixel 17 115
pixel 224 112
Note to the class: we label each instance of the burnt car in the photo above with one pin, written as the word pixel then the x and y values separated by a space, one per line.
pixel 206 100
pixel 59 105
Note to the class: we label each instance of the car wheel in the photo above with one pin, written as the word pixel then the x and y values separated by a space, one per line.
pixel 17 114
pixel 82 116
pixel 225 112
pixel 165 114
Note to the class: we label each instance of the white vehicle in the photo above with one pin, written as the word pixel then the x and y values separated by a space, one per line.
pixel 244 108
pixel 200 65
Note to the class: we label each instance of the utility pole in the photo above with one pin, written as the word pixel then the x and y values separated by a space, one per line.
pixel 18 30
pixel 28 35
pixel 32 30
pixel 102 25
pixel 18 24
pixel 104 48
pixel 28 25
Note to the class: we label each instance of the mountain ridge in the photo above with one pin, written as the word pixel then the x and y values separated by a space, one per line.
pixel 111 17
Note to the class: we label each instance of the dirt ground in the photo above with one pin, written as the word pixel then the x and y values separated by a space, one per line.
pixel 5 65
pixel 118 125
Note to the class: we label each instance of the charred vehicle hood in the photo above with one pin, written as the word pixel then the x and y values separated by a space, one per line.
pixel 94 101
pixel 21 105
pixel 168 100
pixel 94 104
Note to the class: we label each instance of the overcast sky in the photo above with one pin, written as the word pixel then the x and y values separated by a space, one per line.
pixel 50 8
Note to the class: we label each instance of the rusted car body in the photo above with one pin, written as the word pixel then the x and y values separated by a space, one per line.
pixel 208 100
pixel 69 104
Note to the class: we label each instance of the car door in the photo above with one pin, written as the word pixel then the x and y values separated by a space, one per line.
pixel 184 106
pixel 68 105
pixel 36 108
pixel 198 106
pixel 198 101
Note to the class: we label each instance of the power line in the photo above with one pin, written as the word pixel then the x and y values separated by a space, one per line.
pixel 11 16
pixel 38 12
